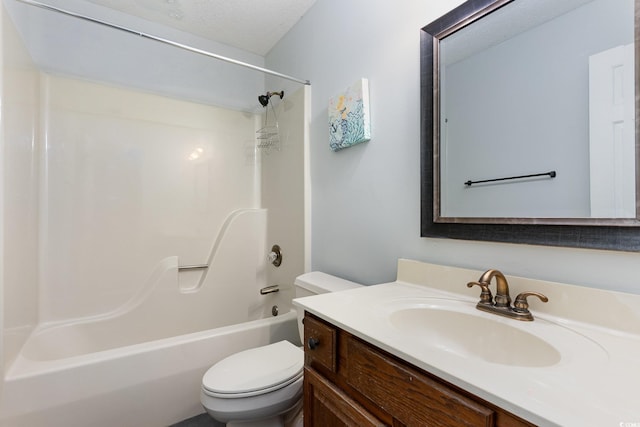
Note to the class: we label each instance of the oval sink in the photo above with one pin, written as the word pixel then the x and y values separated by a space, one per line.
pixel 474 336
pixel 457 327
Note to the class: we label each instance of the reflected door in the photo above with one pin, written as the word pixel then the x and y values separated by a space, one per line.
pixel 611 133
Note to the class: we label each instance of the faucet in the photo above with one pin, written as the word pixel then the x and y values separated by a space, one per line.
pixel 502 298
pixel 501 304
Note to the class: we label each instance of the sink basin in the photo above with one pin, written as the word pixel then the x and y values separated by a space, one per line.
pixel 456 327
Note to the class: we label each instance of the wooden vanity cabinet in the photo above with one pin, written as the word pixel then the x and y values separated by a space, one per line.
pixel 349 382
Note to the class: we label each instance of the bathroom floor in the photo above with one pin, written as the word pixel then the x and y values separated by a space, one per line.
pixel 202 420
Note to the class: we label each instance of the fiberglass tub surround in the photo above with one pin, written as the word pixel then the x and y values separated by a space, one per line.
pixel 575 363
pixel 133 193
pixel 110 189
pixel 137 185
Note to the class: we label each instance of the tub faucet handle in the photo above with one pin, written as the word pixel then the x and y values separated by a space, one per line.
pixel 275 256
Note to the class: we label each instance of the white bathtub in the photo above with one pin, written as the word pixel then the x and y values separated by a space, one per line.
pixel 155 383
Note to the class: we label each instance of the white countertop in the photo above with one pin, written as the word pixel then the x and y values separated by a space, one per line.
pixel 596 383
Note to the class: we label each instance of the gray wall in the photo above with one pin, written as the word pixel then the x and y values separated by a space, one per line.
pixel 365 207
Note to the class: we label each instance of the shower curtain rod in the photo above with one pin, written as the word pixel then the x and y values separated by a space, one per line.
pixel 163 40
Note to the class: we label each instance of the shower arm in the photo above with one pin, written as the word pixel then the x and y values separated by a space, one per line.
pixel 165 41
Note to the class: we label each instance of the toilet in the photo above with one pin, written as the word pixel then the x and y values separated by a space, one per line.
pixel 262 386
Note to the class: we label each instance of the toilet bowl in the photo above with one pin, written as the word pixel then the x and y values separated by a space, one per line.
pixel 254 385
pixel 263 385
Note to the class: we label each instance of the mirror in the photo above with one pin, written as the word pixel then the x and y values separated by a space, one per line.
pixel 530 123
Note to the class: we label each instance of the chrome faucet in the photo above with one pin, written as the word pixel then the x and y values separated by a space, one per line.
pixel 501 304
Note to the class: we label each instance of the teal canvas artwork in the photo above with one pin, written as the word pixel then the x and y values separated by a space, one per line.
pixel 349 119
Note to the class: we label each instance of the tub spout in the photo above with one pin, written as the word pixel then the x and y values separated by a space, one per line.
pixel 269 290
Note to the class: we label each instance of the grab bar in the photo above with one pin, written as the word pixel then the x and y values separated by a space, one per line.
pixel 192 267
pixel 270 289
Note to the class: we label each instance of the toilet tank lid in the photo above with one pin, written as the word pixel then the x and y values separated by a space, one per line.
pixel 321 283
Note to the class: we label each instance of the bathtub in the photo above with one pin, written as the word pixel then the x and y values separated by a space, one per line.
pixel 154 383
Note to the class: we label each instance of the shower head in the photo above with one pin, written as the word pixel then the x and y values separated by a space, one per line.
pixel 264 99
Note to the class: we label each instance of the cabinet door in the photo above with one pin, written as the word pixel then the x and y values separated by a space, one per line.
pixel 327 406
pixel 411 397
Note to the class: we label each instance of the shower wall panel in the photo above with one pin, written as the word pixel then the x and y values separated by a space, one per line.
pixel 283 187
pixel 19 99
pixel 131 178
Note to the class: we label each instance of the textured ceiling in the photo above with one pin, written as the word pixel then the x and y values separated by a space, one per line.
pixel 504 24
pixel 251 25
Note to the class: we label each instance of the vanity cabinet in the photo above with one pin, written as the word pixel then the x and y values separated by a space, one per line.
pixel 349 382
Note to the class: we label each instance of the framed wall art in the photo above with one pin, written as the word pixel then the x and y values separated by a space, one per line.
pixel 349 117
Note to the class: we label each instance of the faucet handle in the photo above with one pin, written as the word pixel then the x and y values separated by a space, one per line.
pixel 520 305
pixel 485 296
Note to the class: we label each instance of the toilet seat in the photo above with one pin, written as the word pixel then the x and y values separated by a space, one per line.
pixel 255 371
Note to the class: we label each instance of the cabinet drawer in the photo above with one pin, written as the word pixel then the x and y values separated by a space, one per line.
pixel 320 344
pixel 400 390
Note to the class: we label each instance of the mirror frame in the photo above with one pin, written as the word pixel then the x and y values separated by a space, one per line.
pixel 599 233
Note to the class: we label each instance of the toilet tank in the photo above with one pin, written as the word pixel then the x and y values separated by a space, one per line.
pixel 316 283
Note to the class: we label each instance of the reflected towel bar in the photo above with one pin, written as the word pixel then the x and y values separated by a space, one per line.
pixel 192 267
pixel 551 174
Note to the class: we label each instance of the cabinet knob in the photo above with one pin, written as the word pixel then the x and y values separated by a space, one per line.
pixel 313 343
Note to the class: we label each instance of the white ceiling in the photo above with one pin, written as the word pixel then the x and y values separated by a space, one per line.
pixel 251 25
pixel 504 24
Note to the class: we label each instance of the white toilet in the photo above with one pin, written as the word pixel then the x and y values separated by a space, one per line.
pixel 261 386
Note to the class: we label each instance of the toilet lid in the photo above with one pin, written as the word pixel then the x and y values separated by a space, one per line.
pixel 257 369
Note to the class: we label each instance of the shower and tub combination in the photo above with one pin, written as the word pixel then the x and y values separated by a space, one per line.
pixel 139 217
